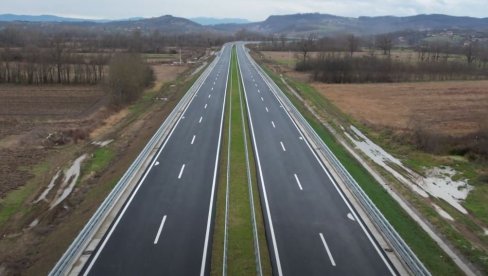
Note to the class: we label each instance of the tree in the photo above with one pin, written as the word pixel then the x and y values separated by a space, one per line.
pixel 352 44
pixel 470 51
pixel 306 45
pixel 385 43
pixel 129 74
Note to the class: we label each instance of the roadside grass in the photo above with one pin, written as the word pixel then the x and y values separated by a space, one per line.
pixel 100 160
pixel 424 247
pixel 241 258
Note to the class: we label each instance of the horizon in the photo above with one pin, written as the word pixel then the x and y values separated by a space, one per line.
pixel 252 10
pixel 80 17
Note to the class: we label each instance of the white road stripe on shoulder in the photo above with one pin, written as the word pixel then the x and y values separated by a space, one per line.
pixel 193 140
pixel 282 146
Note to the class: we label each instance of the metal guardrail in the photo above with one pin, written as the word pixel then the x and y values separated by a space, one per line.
pixel 75 250
pixel 396 242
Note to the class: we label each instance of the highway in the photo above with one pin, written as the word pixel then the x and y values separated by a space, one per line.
pixel 311 228
pixel 165 227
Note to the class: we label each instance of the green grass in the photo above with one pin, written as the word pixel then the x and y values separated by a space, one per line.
pixel 14 201
pixel 240 246
pixel 423 246
pixel 100 160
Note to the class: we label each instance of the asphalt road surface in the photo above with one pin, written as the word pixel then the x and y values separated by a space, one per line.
pixel 310 227
pixel 165 227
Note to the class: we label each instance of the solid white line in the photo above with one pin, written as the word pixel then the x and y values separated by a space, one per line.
pixel 210 209
pixel 205 107
pixel 181 171
pixel 266 203
pixel 159 230
pixel 273 124
pixel 193 139
pixel 328 251
pixel 282 146
pixel 112 229
pixel 267 109
pixel 370 238
pixel 262 99
pixel 298 182
pixel 199 121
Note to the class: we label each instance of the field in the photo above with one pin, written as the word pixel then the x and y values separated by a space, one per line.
pixel 453 108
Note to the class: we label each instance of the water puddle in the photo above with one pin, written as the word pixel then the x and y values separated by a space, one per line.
pixel 48 188
pixel 442 213
pixel 102 143
pixel 69 181
pixel 437 183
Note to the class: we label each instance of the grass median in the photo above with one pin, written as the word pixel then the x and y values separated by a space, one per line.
pixel 233 182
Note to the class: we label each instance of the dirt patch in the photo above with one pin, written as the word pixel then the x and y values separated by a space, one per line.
pixel 452 108
pixel 167 72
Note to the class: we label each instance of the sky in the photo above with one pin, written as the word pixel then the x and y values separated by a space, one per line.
pixel 254 10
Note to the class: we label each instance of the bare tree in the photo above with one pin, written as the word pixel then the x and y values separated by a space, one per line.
pixel 307 44
pixel 352 44
pixel 385 43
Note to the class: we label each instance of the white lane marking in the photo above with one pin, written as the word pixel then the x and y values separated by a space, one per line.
pixel 301 138
pixel 273 124
pixel 211 89
pixel 262 99
pixel 350 216
pixel 259 91
pixel 298 182
pixel 267 110
pixel 214 83
pixel 205 107
pixel 282 146
pixel 193 139
pixel 256 84
pixel 119 217
pixel 209 95
pixel 157 163
pixel 266 203
pixel 327 249
pixel 181 171
pixel 210 209
pixel 199 121
pixel 159 230
pixel 182 117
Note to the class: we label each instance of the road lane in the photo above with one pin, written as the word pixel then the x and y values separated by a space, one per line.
pixel 175 198
pixel 309 227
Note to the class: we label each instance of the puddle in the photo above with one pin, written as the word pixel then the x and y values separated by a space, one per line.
pixel 102 143
pixel 48 188
pixel 437 183
pixel 442 213
pixel 69 181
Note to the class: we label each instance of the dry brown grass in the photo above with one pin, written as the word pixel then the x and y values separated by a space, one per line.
pixel 166 72
pixel 454 108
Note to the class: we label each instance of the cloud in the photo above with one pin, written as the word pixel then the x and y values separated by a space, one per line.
pixel 250 9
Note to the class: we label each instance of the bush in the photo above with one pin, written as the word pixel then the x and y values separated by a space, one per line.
pixel 129 74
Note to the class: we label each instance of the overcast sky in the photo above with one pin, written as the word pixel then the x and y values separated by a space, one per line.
pixel 254 10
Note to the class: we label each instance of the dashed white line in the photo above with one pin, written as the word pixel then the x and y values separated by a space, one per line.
pixel 211 89
pixel 205 107
pixel 156 163
pixel 256 84
pixel 259 91
pixel 282 146
pixel 209 95
pixel 160 229
pixel 298 182
pixel 181 171
pixel 267 110
pixel 327 249
pixel 350 216
pixel 193 140
pixel 273 124
pixel 201 118
pixel 262 99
